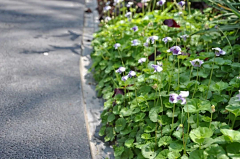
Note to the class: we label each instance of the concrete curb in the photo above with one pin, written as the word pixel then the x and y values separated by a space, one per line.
pixel 92 105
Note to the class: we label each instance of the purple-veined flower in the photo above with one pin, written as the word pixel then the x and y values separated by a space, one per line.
pixel 176 50
pixel 141 60
pixel 216 26
pixel 117 45
pixel 157 68
pixel 238 77
pixel 182 96
pixel 196 63
pixel 161 2
pixel 124 78
pixel 152 39
pixel 120 70
pixel 107 3
pixel 218 51
pixel 106 8
pixel 135 42
pixel 128 14
pixel 135 28
pixel 181 3
pixel 131 74
pixel 166 39
pixel 184 37
pixel 145 44
pixel 107 19
pixel 129 4
pixel 173 98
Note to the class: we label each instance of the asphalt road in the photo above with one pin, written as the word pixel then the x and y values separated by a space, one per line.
pixel 41 115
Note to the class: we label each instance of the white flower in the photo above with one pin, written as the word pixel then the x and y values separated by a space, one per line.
pixel 129 4
pixel 107 19
pixel 184 94
pixel 141 60
pixel 131 74
pixel 120 70
pixel 173 98
pixel 124 78
pixel 166 39
pixel 128 14
pixel 219 51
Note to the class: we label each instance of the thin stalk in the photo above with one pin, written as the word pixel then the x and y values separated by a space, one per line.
pixel 143 7
pixel 228 42
pixel 154 2
pixel 234 121
pixel 197 118
pixel 156 135
pixel 155 53
pixel 178 73
pixel 210 76
pixel 184 144
pixel 190 74
pixel 195 84
pixel 189 6
pixel 173 116
pixel 210 121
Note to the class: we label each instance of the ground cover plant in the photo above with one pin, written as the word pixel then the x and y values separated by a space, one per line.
pixel 171 80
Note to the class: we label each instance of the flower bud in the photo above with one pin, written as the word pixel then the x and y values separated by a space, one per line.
pixel 213 108
pixel 145 54
pixel 155 86
pixel 150 24
pixel 178 40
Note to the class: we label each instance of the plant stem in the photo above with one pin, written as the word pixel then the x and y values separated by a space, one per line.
pixel 156 135
pixel 195 84
pixel 210 76
pixel 210 121
pixel 143 8
pixel 184 144
pixel 228 42
pixel 189 7
pixel 178 73
pixel 198 119
pixel 173 116
pixel 190 73
pixel 155 53
pixel 154 2
pixel 234 121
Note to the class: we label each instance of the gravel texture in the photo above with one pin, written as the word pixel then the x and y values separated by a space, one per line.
pixel 41 112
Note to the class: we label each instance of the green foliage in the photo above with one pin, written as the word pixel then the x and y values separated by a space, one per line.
pixel 140 120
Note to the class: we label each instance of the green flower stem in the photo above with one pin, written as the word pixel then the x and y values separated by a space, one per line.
pixel 155 53
pixel 234 121
pixel 195 85
pixel 198 119
pixel 154 2
pixel 211 120
pixel 228 42
pixel 189 6
pixel 125 92
pixel 173 116
pixel 178 73
pixel 210 76
pixel 170 80
pixel 156 135
pixel 190 73
pixel 184 144
pixel 143 8
pixel 159 90
pixel 123 3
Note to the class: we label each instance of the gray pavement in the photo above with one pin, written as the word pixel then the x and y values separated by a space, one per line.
pixel 41 112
